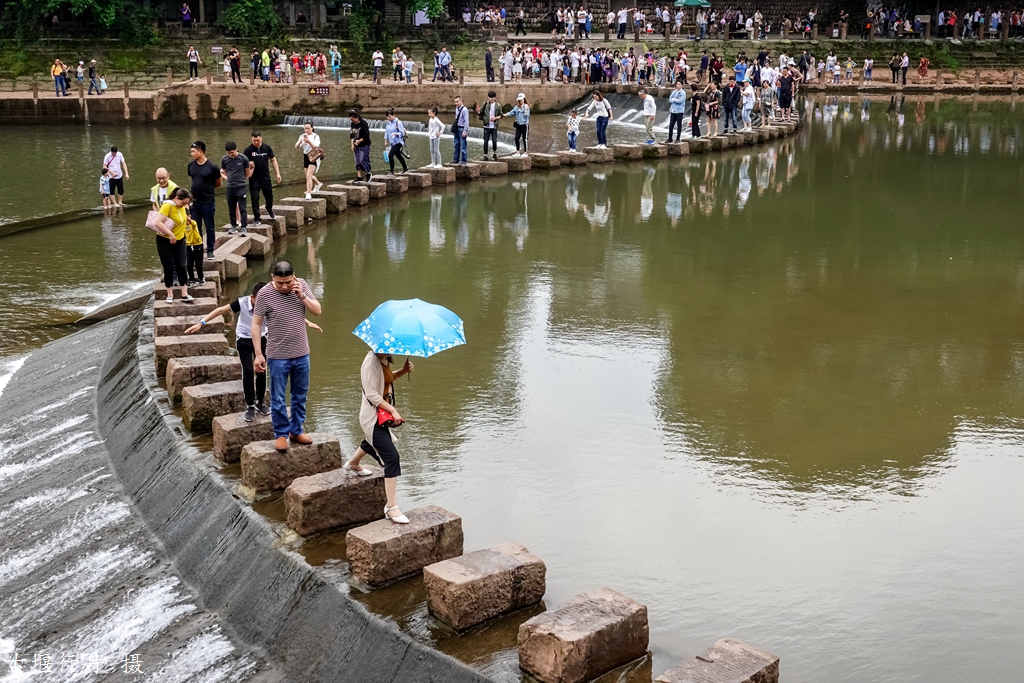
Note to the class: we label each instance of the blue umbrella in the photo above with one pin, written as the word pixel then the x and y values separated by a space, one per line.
pixel 411 327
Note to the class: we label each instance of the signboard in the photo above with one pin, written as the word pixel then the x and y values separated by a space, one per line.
pixel 216 50
pixel 319 90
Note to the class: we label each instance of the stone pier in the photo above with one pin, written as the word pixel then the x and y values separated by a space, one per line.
pixel 312 209
pixel 654 151
pixel 571 158
pixel 337 201
pixel 198 308
pixel 183 346
pixel 334 499
pixel 492 168
pixel 293 214
pixel 357 195
pixel 599 155
pixel 203 402
pixel 538 160
pixel 266 469
pixel 442 175
pixel 231 433
pixel 417 179
pixel 678 149
pixel 171 326
pixel 727 661
pixel 517 163
pixel 396 184
pixel 376 188
pixel 627 152
pixel 188 372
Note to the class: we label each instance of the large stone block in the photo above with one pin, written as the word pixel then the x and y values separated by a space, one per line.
pixel 235 244
pixel 383 551
pixel 356 195
pixel 417 179
pixel 518 163
pixel 231 433
pixel 294 216
pixel 627 152
pixel 718 143
pixel 678 149
pixel 491 168
pixel 203 402
pixel 396 184
pixel 313 209
pixel 260 246
pixel 264 229
pixel 265 469
pixel 184 346
pixel 279 225
pixel 654 151
pixel 600 155
pixel 585 638
pixel 538 160
pixel 749 137
pixel 334 499
pixel 211 290
pixel 444 175
pixel 476 587
pixel 699 145
pixel 571 158
pixel 727 661
pixel 175 326
pixel 188 372
pixel 337 201
pixel 763 134
pixel 214 264
pixel 467 171
pixel 235 266
pixel 377 189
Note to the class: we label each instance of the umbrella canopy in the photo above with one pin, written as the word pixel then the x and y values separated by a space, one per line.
pixel 693 3
pixel 411 327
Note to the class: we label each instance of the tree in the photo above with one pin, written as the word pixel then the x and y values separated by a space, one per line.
pixel 251 19
pixel 131 22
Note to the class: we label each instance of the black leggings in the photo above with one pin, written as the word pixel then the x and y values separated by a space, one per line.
pixel 193 70
pixel 396 151
pixel 195 262
pixel 384 452
pixel 675 120
pixel 173 257
pixel 253 383
pixel 521 134
pixel 255 186
pixel 695 124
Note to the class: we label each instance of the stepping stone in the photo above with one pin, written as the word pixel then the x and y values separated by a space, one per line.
pixel 718 143
pixel 337 200
pixel 476 587
pixel 383 551
pixel 203 402
pixel 492 168
pixel 264 469
pixel 184 346
pixel 377 189
pixel 417 179
pixel 627 152
pixel 260 246
pixel 538 160
pixel 518 164
pixel 571 158
pixel 294 216
pixel 736 139
pixel 727 661
pixel 278 224
pixel 355 195
pixel 678 149
pixel 599 155
pixel 334 499
pixel 749 137
pixel 313 209
pixel 264 229
pixel 467 171
pixel 231 433
pixel 699 145
pixel 445 175
pixel 235 266
pixel 585 638
pixel 174 326
pixel 188 372
pixel 235 244
pixel 654 151
pixel 763 135
pixel 209 290
pixel 396 184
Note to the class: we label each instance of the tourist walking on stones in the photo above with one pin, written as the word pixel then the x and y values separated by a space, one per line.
pixel 748 96
pixel 650 111
pixel 163 189
pixel 460 132
pixel 730 102
pixel 767 102
pixel 194 255
pixel 521 112
pixel 260 157
pixel 394 137
pixel 114 162
pixel 696 107
pixel 359 140
pixel 171 244
pixel 602 116
pixel 787 79
pixel 676 111
pixel 94 79
pixel 206 178
pixel 378 382
pixel 434 130
pixel 193 62
pixel 235 169
pixel 713 107
pixel 57 72
pixel 312 155
pixel 572 126
pixel 904 65
pixel 489 114
pixel 283 306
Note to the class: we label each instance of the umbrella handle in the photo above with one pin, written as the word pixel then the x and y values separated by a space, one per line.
pixel 409 374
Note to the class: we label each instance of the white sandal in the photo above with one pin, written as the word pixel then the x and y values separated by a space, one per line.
pixel 400 519
pixel 362 471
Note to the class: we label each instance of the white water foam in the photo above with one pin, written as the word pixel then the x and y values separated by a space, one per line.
pixel 208 649
pixel 72 445
pixel 49 498
pixel 8 367
pixel 7 450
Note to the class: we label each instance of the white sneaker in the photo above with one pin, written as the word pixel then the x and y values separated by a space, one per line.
pixel 309 196
pixel 317 187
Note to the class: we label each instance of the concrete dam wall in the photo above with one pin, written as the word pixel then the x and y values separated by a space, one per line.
pixel 147 550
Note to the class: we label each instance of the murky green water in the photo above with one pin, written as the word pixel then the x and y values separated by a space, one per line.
pixel 776 395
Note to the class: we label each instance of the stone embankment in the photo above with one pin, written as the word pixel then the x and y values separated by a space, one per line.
pixel 592 634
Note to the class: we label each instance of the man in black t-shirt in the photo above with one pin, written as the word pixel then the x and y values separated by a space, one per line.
pixel 785 83
pixel 261 156
pixel 205 177
pixel 359 136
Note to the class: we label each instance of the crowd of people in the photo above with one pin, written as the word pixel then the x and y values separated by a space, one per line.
pixel 61 75
pixel 273 64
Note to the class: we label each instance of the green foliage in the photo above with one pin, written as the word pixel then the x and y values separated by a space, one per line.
pixel 360 27
pixel 133 25
pixel 128 20
pixel 433 8
pixel 250 19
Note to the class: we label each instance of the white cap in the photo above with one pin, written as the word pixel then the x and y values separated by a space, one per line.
pixel 520 96
pixel 80 62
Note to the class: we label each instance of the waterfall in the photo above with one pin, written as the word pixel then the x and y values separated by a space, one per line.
pixel 414 127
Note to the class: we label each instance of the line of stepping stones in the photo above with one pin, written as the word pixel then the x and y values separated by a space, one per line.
pixel 588 636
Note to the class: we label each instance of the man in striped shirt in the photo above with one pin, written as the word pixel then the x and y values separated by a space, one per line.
pixel 283 305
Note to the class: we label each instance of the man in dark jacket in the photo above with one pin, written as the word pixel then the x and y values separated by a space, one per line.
pixel 730 101
pixel 489 64
pixel 489 114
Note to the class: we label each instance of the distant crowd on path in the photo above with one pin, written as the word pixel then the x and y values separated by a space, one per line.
pixel 273 64
pixel 61 75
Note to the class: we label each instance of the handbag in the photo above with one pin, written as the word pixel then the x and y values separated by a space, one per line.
pixel 156 220
pixel 384 418
pixel 315 153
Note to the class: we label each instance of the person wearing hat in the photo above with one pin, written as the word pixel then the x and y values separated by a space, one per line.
pixel 93 82
pixel 80 73
pixel 522 113
pixel 489 114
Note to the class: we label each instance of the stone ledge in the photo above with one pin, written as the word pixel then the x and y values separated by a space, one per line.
pixel 654 151
pixel 337 200
pixel 396 184
pixel 294 216
pixel 172 326
pixel 699 145
pixel 600 155
pixel 678 149
pixel 627 152
pixel 188 372
pixel 198 308
pixel 208 291
pixel 517 163
pixel 231 433
pixel 376 188
pixel 313 209
pixel 355 195
pixel 492 168
pixel 727 661
pixel 571 158
pixel 333 499
pixel 184 346
pixel 265 469
pixel 419 179
pixel 538 160
pixel 467 171
pixel 203 402
pixel 444 175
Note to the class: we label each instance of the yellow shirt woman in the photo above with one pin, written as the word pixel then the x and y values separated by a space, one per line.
pixel 178 214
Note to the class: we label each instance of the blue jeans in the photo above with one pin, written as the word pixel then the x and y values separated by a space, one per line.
pixel 572 140
pixel 460 146
pixel 747 109
pixel 93 83
pixel 602 128
pixel 280 370
pixel 205 211
pixel 730 115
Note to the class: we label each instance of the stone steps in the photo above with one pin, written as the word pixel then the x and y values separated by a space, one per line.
pixel 198 308
pixel 203 402
pixel 211 290
pixel 184 346
pixel 726 661
pixel 170 326
pixel 265 469
pixel 195 370
pixel 312 209
pixel 334 499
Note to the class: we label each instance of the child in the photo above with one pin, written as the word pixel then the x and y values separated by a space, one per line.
pixel 103 83
pixel 821 68
pixel 227 68
pixel 434 130
pixel 836 71
pixel 194 254
pixel 849 70
pixel 573 126
pixel 105 189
